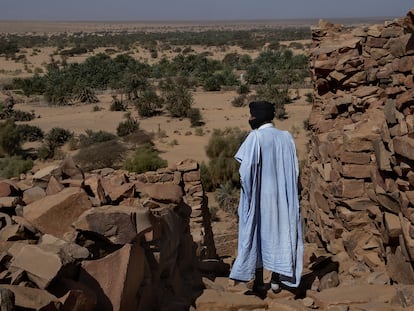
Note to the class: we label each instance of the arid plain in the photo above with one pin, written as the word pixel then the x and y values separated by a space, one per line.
pixel 179 141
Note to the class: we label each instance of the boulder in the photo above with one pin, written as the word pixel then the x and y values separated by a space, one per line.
pixel 54 214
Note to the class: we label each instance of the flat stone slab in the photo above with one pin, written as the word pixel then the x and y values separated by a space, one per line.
pixel 219 300
pixel 347 295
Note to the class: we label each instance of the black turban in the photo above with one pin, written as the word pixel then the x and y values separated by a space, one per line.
pixel 262 110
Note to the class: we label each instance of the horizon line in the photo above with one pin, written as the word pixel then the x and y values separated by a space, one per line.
pixel 197 20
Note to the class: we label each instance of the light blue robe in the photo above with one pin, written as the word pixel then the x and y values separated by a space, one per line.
pixel 270 227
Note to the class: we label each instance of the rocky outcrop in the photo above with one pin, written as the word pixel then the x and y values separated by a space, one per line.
pixel 358 184
pixel 106 240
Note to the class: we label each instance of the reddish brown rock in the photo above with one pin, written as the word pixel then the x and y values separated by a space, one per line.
pixel 116 278
pixel 163 192
pixel 33 298
pixel 119 224
pixel 8 188
pixel 54 214
pixel 346 295
pixel 217 300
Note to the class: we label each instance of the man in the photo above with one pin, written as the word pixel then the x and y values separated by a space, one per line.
pixel 270 230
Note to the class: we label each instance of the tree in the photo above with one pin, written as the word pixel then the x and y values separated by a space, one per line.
pixel 178 100
pixel 148 103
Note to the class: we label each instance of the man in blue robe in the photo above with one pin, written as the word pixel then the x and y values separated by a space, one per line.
pixel 270 228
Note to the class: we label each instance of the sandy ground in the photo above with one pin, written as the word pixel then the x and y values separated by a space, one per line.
pixel 180 140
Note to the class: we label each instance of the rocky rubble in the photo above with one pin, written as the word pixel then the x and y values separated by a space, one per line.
pixel 108 240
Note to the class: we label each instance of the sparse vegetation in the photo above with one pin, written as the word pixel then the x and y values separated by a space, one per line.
pixel 14 166
pixel 146 158
pixel 220 150
pixel 227 197
pixel 100 155
pixel 127 127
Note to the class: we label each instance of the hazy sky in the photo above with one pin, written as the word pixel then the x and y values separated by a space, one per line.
pixel 201 10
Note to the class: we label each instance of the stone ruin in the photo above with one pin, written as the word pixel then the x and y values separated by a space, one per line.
pixel 106 240
pixel 358 181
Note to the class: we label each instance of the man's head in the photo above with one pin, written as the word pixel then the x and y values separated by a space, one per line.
pixel 261 112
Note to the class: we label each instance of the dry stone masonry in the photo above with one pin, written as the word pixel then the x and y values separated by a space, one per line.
pixel 107 240
pixel 358 183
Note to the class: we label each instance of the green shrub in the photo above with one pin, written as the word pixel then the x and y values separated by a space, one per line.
pixel 221 148
pixel 30 132
pixel 14 166
pixel 106 154
pixel 44 152
pixel 195 117
pixel 239 101
pixel 243 89
pixel 127 127
pixel 206 178
pixel 145 159
pixel 117 105
pixel 148 103
pixel 19 115
pixel 227 198
pixel 92 137
pixel 178 100
pixel 57 137
pixel 10 138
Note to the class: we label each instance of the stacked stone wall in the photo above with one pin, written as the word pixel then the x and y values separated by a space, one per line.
pixel 358 183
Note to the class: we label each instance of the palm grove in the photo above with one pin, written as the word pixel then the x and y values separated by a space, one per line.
pixel 163 87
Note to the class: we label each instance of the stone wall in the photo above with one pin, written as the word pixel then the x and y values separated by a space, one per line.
pixel 358 183
pixel 106 240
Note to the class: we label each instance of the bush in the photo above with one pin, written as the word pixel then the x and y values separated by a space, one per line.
pixel 30 132
pixel 19 115
pixel 309 97
pixel 206 178
pixel 10 138
pixel 145 159
pixel 221 148
pixel 106 154
pixel 57 137
pixel 227 197
pixel 127 127
pixel 178 100
pixel 239 101
pixel 117 105
pixel 91 138
pixel 194 115
pixel 138 137
pixel 148 103
pixel 14 166
pixel 243 89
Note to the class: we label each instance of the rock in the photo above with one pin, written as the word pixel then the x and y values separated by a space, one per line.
pixel 54 186
pixel 404 146
pixel 116 278
pixel 8 188
pixel 33 194
pixel 346 295
pixel 42 176
pixel 41 266
pixel 162 192
pixel 54 214
pixel 217 300
pixel 119 224
pixel 32 298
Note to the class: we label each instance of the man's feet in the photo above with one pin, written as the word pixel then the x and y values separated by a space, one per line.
pixel 275 283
